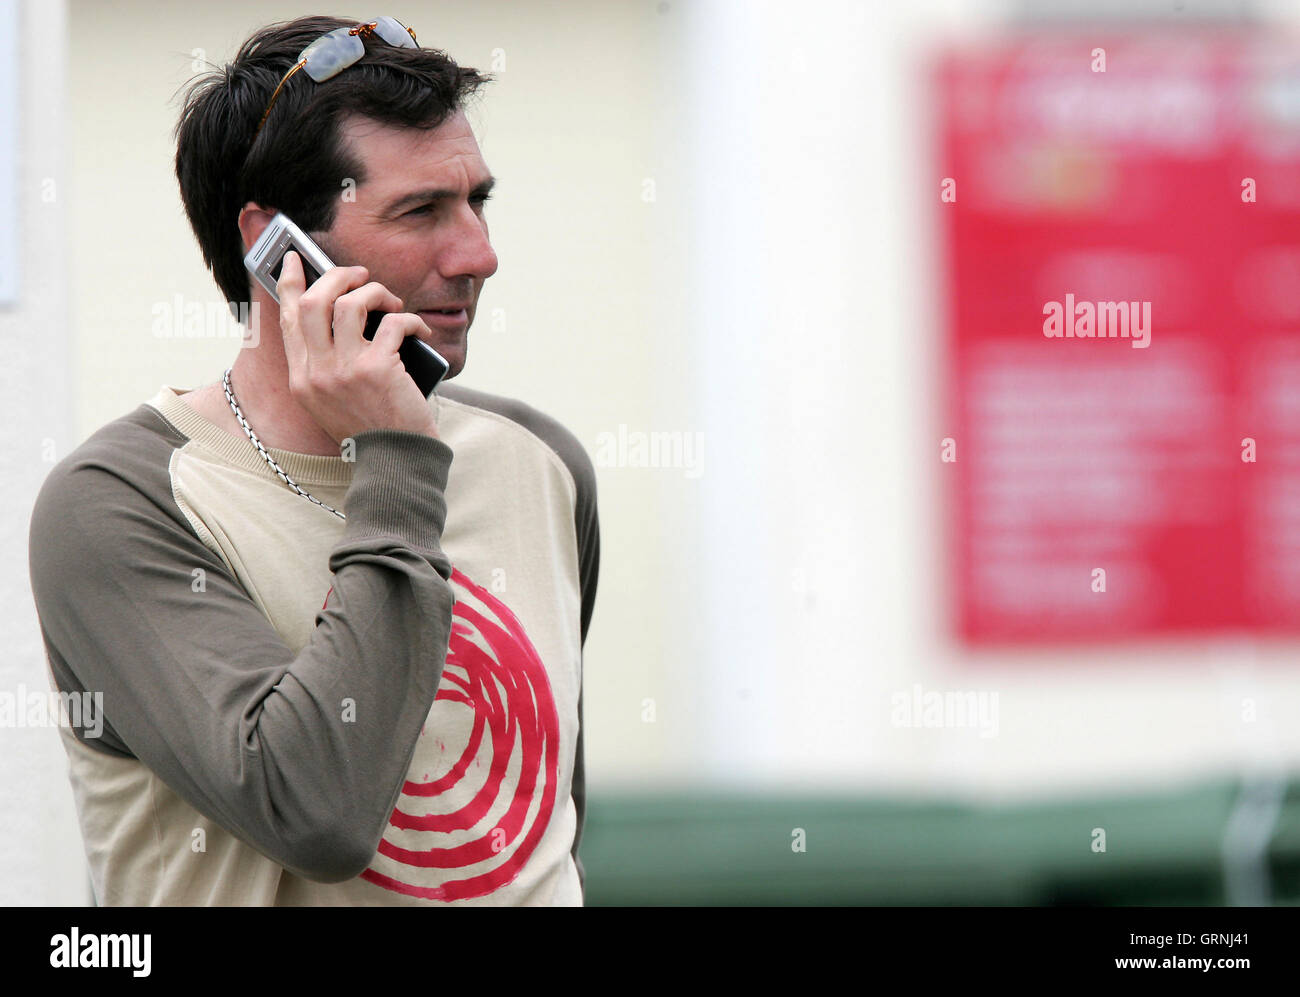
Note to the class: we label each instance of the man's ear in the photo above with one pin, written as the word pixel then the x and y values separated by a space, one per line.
pixel 253 218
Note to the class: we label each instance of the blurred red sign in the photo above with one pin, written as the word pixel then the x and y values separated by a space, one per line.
pixel 1122 274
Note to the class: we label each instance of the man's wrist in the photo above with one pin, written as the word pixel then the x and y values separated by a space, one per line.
pixel 399 486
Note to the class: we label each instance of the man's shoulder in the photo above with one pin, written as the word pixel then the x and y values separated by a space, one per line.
pixel 546 428
pixel 127 456
pixel 138 436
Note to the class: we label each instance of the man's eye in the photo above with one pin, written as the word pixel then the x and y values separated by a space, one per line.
pixel 425 209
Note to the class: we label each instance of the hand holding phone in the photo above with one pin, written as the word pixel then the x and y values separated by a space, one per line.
pixel 264 261
pixel 347 385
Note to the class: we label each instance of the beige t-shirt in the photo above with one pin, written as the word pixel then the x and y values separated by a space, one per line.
pixel 303 710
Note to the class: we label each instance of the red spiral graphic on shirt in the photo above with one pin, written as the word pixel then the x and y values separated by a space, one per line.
pixel 506 685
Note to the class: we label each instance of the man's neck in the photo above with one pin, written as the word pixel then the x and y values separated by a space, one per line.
pixel 271 411
pixel 261 388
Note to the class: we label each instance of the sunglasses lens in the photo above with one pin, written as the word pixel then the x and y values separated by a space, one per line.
pixel 330 54
pixel 393 31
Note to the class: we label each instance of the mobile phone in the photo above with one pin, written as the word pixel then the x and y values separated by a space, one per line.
pixel 425 365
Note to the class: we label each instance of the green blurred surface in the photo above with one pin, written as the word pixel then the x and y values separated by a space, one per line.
pixel 730 848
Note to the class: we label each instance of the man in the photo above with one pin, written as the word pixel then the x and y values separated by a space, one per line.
pixel 337 625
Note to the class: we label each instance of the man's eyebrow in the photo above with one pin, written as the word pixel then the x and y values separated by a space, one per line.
pixel 436 194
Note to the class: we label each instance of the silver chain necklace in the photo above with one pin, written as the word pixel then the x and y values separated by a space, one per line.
pixel 230 397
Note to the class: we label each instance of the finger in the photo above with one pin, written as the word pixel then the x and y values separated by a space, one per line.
pixel 292 282
pixel 316 306
pixel 350 314
pixel 394 329
pixel 290 287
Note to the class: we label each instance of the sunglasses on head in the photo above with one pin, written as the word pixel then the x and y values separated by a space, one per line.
pixel 336 50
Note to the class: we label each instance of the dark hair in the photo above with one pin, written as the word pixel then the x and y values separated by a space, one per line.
pixel 297 163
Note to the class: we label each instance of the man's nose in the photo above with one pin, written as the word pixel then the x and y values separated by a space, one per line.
pixel 469 250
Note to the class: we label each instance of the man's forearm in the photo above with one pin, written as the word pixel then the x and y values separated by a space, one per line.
pixel 300 755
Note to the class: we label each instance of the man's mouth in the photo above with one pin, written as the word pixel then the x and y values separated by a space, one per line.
pixel 449 318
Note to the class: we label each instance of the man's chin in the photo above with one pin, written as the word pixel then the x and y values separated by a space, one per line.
pixel 454 354
pixel 451 347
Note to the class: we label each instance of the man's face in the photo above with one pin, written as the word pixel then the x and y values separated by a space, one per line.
pixel 431 251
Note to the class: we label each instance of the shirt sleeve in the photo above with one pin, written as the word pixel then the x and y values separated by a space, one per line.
pixel 200 687
pixel 587 522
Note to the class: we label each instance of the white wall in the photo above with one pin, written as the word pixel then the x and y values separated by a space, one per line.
pixel 41 861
